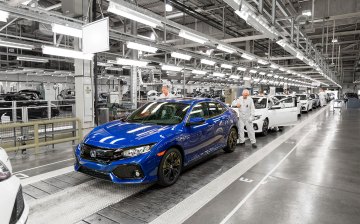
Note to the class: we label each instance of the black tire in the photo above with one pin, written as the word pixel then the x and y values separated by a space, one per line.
pixel 231 141
pixel 170 167
pixel 265 127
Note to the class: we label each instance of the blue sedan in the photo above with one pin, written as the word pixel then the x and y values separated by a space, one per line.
pixel 157 141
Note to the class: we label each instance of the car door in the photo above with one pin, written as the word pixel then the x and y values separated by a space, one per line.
pixel 219 122
pixel 284 116
pixel 199 137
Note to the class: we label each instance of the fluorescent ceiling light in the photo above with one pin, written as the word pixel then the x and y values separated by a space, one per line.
pixel 199 72
pixel 56 51
pixel 5 43
pixel 276 76
pixel 306 12
pixel 124 61
pixel 256 79
pixel 225 48
pixel 264 80
pixel 274 66
pixel 218 74
pixel 334 40
pixel 4 16
pixel 133 15
pixel 226 66
pixel 171 68
pixel 289 71
pixel 281 77
pixel 181 56
pixel 65 30
pixel 300 56
pixel 234 77
pixel 248 57
pixel 32 59
pixel 168 8
pixel 246 78
pixel 253 71
pixel 141 47
pixel 269 75
pixel 262 73
pixel 207 62
pixel 241 69
pixel 192 37
pixel 263 62
pixel 282 69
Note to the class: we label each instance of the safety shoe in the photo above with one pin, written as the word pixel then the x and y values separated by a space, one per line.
pixel 254 145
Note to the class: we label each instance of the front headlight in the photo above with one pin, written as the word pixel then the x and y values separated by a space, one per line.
pixel 4 172
pixel 131 152
pixel 257 117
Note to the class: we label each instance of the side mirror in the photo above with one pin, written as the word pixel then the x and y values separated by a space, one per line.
pixel 195 121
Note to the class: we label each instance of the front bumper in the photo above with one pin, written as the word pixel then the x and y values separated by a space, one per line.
pixel 135 170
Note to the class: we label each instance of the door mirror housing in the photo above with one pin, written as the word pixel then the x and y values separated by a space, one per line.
pixel 195 121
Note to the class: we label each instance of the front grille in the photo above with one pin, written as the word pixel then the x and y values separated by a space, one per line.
pixel 18 207
pixel 102 155
pixel 128 172
pixel 94 173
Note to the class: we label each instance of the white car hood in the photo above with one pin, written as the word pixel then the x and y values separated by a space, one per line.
pixel 5 159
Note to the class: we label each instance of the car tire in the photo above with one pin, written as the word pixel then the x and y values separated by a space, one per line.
pixel 231 141
pixel 265 127
pixel 170 167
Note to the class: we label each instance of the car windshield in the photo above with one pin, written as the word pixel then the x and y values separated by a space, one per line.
pixel 260 103
pixel 161 113
pixel 302 97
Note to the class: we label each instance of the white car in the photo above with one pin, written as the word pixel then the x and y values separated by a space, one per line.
pixel 13 208
pixel 270 112
pixel 152 95
pixel 305 101
pixel 289 101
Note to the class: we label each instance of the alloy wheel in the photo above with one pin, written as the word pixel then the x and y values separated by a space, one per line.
pixel 172 166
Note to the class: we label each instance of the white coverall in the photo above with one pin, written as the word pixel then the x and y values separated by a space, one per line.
pixel 322 99
pixel 246 117
pixel 162 95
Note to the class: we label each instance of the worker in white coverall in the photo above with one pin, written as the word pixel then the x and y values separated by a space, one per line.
pixel 246 116
pixel 322 98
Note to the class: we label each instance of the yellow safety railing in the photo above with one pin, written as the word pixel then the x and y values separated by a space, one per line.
pixel 36 141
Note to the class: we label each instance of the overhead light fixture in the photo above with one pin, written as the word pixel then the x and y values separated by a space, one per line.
pixel 133 15
pixel 218 74
pixel 264 80
pixel 168 8
pixel 282 69
pixel 62 52
pixel 66 30
pixel 4 16
pixel 241 69
pixel 274 66
pixel 171 68
pixel 281 77
pixel 180 56
pixel 6 43
pixel 253 71
pixel 32 59
pixel 256 79
pixel 141 47
pixel 226 66
pixel 234 77
pixel 246 78
pixel 263 62
pixel 207 62
pixel 289 71
pixel 225 48
pixel 124 61
pixel 306 12
pixel 269 75
pixel 334 40
pixel 199 72
pixel 276 76
pixel 248 57
pixel 192 37
pixel 256 21
pixel 262 73
pixel 300 56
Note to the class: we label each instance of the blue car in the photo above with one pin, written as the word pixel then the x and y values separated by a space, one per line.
pixel 157 141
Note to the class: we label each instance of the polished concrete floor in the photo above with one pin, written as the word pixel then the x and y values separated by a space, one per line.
pixel 318 182
pixel 311 177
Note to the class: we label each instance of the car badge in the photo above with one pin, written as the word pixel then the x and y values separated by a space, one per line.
pixel 93 153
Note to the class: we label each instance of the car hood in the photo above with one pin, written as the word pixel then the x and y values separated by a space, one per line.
pixel 119 134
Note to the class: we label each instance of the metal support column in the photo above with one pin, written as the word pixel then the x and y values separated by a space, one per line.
pixel 133 72
pixel 96 99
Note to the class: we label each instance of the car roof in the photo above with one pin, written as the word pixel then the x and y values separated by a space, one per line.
pixel 187 100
